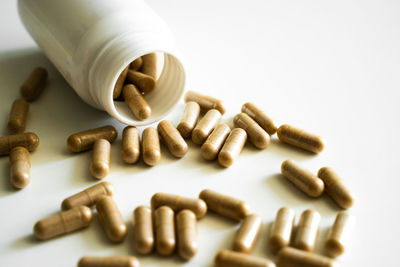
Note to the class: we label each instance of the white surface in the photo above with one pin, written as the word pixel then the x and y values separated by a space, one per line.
pixel 331 67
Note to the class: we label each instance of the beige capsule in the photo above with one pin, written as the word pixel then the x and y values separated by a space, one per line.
pixel 34 84
pixel 224 205
pixel 186 227
pixel 89 196
pixel 292 257
pixel 20 167
pixel 172 138
pixel 108 261
pixel 205 126
pixel 206 102
pixel 111 219
pixel 130 147
pixel 214 142
pixel 246 236
pixel 136 64
pixel 18 114
pixel 151 146
pixel 302 178
pixel 260 117
pixel 165 230
pixel 145 83
pixel 338 235
pixel 257 135
pixel 28 140
pixel 234 144
pixel 84 140
pixel 149 65
pixel 63 222
pixel 227 258
pixel 336 188
pixel 189 119
pixel 282 228
pixel 136 102
pixel 100 163
pixel 143 230
pixel 307 230
pixel 300 138
pixel 120 83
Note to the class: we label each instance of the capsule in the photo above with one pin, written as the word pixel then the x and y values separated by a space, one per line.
pixel 63 222
pixel 143 230
pixel 189 119
pixel 20 167
pixel 300 138
pixel 130 147
pixel 89 196
pixel 282 228
pixel 205 126
pixel 84 140
pixel 120 83
pixel 145 83
pixel 257 136
pixel 234 144
pixel 149 65
pixel 303 179
pixel 260 117
pixel 247 234
pixel 136 64
pixel 206 102
pixel 28 140
pixel 307 230
pixel 151 146
pixel 186 227
pixel 214 142
pixel 227 258
pixel 108 261
pixel 336 188
pixel 338 235
pixel 136 102
pixel 18 114
pixel 178 203
pixel 34 84
pixel 291 257
pixel 100 163
pixel 172 138
pixel 224 205
pixel 165 230
pixel 111 219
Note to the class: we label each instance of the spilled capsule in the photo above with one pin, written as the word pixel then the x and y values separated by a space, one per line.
pixel 257 135
pixel 300 138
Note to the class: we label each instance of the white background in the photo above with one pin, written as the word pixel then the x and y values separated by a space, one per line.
pixel 331 67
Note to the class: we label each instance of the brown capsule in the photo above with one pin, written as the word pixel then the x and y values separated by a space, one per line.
pixel 143 230
pixel 307 230
pixel 260 117
pixel 151 146
pixel 145 83
pixel 227 258
pixel 234 144
pixel 336 188
pixel 165 230
pixel 257 136
pixel 205 126
pixel 136 102
pixel 186 227
pixel 28 140
pixel 172 138
pixel 120 83
pixel 18 114
pixel 338 235
pixel 63 222
pixel 214 142
pixel 300 138
pixel 178 203
pixel 224 205
pixel 130 147
pixel 291 257
pixel 247 234
pixel 108 261
pixel 149 65
pixel 206 102
pixel 111 219
pixel 89 196
pixel 34 84
pixel 302 178
pixel 282 229
pixel 189 119
pixel 20 167
pixel 84 140
pixel 100 163
pixel 136 64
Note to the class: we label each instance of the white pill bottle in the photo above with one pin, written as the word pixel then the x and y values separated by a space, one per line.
pixel 91 41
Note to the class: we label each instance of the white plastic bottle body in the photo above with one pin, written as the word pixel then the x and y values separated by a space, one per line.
pixel 91 41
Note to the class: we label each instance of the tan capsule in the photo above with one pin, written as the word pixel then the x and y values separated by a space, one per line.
pixel 338 235
pixel 20 167
pixel 165 230
pixel 189 119
pixel 120 83
pixel 214 142
pixel 136 64
pixel 130 147
pixel 234 144
pixel 282 229
pixel 18 114
pixel 63 222
pixel 186 227
pixel 291 257
pixel 336 188
pixel 172 138
pixel 307 230
pixel 151 146
pixel 227 258
pixel 303 179
pixel 178 203
pixel 206 102
pixel 260 117
pixel 205 126
pixel 89 196
pixel 84 140
pixel 28 140
pixel 136 102
pixel 257 136
pixel 149 65
pixel 224 205
pixel 145 83
pixel 100 163
pixel 247 234
pixel 108 261
pixel 34 84
pixel 143 230
pixel 300 138
pixel 111 219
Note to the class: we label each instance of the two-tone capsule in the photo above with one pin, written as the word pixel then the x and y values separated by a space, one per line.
pixel 300 138
pixel 246 236
pixel 189 119
pixel 186 227
pixel 20 167
pixel 136 102
pixel 257 135
pixel 214 142
pixel 260 117
pixel 165 230
pixel 100 163
pixel 172 138
pixel 84 140
pixel 338 235
pixel 292 257
pixel 34 84
pixel 145 83
pixel 108 261
pixel 120 83
pixel 130 145
pixel 227 258
pixel 282 228
pixel 28 140
pixel 151 146
pixel 143 230
pixel 18 114
pixel 307 230
pixel 205 126
pixel 111 219
pixel 206 102
pixel 232 147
